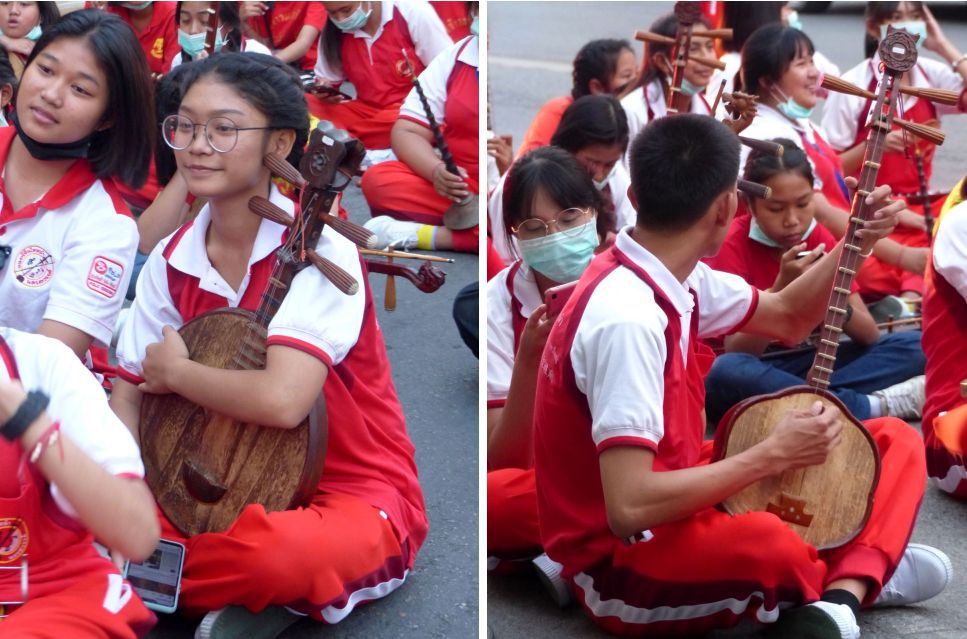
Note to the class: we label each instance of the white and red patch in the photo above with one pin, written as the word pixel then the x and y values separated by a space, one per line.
pixel 105 276
pixel 33 266
pixel 13 539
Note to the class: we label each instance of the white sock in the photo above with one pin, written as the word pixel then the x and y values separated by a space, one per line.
pixel 876 406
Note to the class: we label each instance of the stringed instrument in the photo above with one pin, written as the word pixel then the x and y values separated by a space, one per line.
pixel 204 467
pixel 826 504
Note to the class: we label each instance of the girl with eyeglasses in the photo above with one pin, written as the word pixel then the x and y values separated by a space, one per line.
pixel 845 121
pixel 21 25
pixel 367 43
pixel 79 125
pixel 550 206
pixel 359 536
pixel 779 241
pixel 594 130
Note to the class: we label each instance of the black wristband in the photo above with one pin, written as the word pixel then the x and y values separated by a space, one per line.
pixel 849 313
pixel 28 411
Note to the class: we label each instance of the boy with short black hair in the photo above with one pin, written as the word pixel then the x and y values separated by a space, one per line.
pixel 625 487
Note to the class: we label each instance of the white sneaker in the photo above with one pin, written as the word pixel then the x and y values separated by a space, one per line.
pixel 549 572
pixel 389 231
pixel 818 620
pixel 923 573
pixel 235 621
pixel 889 308
pixel 904 400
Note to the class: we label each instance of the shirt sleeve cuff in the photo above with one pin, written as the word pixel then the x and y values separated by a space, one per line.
pixel 412 118
pixel 638 442
pixel 96 329
pixel 748 314
pixel 128 376
pixel 300 345
pixel 496 403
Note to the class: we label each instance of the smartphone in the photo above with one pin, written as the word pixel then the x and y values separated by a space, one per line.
pixel 555 298
pixel 157 579
pixel 802 254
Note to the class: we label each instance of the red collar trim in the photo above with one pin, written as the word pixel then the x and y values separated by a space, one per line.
pixel 6 355
pixel 79 178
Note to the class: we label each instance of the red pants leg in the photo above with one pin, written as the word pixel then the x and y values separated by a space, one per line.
pixel 100 606
pixel 946 443
pixel 512 528
pixel 322 560
pixel 369 124
pixel 876 551
pixel 877 279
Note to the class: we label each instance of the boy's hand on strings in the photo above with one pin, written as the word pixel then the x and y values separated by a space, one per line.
pixel 885 217
pixel 804 437
pixel 501 147
pixel 792 266
pixel 160 360
pixel 912 220
pixel 449 185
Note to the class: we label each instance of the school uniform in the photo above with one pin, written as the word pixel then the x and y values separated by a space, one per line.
pixel 358 539
pixel 945 345
pixel 455 17
pixel 71 253
pixel 620 368
pixel 248 46
pixel 845 120
pixel 544 124
pixel 506 247
pixel 281 24
pixel 159 40
pixel 377 69
pixel 512 527
pixel 450 85
pixel 859 369
pixel 648 103
pixel 72 591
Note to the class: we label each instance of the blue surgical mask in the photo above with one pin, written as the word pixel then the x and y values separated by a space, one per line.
pixel 603 183
pixel 3 118
pixel 561 258
pixel 792 109
pixel 135 6
pixel 758 235
pixel 219 40
pixel 690 89
pixel 916 27
pixel 35 34
pixel 475 26
pixel 356 21
pixel 191 43
pixel 793 21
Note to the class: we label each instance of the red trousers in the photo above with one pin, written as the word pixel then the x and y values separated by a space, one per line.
pixel 321 560
pixel 877 279
pixel 392 188
pixel 368 124
pixel 512 530
pixel 97 607
pixel 946 442
pixel 710 570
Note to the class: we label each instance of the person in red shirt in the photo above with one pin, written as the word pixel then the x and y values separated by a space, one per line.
pixel 288 29
pixel 156 27
pixel 457 17
pixel 778 242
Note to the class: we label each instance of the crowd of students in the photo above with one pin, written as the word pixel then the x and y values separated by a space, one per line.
pixel 96 205
pixel 599 473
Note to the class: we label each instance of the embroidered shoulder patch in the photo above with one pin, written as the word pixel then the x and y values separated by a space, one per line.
pixel 105 276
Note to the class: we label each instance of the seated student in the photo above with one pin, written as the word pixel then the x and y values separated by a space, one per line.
pixel 844 119
pixel 156 26
pixel 650 100
pixel 778 66
pixel 289 29
pixel 365 46
pixel 21 25
pixel 416 201
pixel 69 471
pixel 624 485
pixel 605 66
pixel 944 343
pixel 194 19
pixel 358 538
pixel 551 206
pixel 595 131
pixel 764 249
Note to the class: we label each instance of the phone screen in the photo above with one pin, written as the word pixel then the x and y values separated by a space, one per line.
pixel 157 579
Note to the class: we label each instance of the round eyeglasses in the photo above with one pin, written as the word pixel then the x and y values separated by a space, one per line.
pixel 568 222
pixel 221 133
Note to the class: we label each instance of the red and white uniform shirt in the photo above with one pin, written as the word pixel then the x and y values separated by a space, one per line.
pixel 770 124
pixel 645 104
pixel 159 40
pixel 36 520
pixel 370 454
pixel 450 85
pixel 71 253
pixel 512 295
pixel 375 64
pixel 285 21
pixel 608 378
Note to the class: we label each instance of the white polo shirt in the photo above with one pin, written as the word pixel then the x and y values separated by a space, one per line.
pixel 646 104
pixel 76 400
pixel 71 253
pixel 179 282
pixel 501 338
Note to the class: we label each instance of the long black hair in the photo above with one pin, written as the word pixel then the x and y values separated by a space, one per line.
pixel 49 14
pixel 123 150
pixel 745 17
pixel 666 25
pixel 267 83
pixel 592 119
pixel 596 60
pixel 761 166
pixel 768 53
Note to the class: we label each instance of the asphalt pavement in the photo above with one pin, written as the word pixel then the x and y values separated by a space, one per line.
pixel 532 45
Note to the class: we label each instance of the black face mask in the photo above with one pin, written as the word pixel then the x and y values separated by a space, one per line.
pixel 42 151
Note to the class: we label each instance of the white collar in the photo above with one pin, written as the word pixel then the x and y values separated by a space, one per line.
pixel 676 292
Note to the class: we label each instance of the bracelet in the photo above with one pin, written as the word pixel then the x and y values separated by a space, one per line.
pixel 50 437
pixel 956 63
pixel 28 411
pixel 849 313
pixel 867 254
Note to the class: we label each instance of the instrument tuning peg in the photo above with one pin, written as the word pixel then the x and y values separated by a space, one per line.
pixel 284 170
pixel 334 273
pixel 263 208
pixel 358 235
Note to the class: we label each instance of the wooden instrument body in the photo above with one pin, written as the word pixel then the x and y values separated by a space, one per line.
pixel 828 504
pixel 204 467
